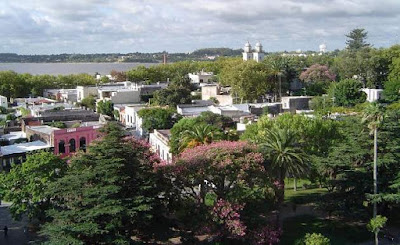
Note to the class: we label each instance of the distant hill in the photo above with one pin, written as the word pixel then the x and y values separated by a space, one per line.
pixel 217 51
pixel 201 54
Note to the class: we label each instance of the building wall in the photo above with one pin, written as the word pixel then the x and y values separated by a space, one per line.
pixel 200 77
pixel 209 91
pixel 89 133
pixel 293 103
pixel 224 99
pixel 247 56
pixel 85 91
pixel 373 94
pixel 33 135
pixel 131 116
pixel 3 101
pixel 258 57
pixel 159 145
pixel 126 97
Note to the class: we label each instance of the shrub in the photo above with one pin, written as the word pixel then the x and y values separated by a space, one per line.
pixel 316 239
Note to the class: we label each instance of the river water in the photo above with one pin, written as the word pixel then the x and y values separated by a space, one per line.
pixel 69 68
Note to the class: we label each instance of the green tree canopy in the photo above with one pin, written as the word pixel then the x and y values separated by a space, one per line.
pixel 107 195
pixel 106 108
pixel 249 80
pixel 26 184
pixel 347 92
pixel 158 118
pixel 356 39
pixel 89 102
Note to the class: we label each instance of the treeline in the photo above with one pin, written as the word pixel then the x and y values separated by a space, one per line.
pixel 14 85
pixel 156 57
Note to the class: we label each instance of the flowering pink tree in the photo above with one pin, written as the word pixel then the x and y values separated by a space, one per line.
pixel 219 184
pixel 317 73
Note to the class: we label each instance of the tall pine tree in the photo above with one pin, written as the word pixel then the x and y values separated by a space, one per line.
pixel 107 195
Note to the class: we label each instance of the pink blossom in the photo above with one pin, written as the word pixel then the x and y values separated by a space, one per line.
pixel 267 235
pixel 227 214
pixel 278 184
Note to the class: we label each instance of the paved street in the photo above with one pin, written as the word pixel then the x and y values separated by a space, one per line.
pixel 16 234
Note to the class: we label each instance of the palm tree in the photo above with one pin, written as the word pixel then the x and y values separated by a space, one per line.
pixel 373 114
pixel 198 135
pixel 285 155
pixel 279 67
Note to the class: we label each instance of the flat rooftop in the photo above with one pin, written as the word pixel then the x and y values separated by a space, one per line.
pixel 14 135
pixel 45 129
pixel 23 147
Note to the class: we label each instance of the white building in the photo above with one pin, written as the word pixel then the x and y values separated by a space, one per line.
pixel 200 77
pixel 119 93
pixel 3 101
pixel 132 118
pixel 373 94
pixel 257 55
pixel 159 141
pixel 85 91
pixel 222 95
pixel 322 48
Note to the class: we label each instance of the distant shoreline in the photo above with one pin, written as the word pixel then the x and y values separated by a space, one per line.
pixel 67 68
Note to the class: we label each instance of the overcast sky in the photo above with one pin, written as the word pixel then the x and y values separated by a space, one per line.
pixel 122 26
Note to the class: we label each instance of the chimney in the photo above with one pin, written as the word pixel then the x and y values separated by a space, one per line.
pixel 165 59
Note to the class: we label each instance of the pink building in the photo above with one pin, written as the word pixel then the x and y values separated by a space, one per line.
pixel 70 140
pixel 64 141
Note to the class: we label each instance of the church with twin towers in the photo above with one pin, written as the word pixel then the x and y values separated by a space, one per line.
pixel 257 55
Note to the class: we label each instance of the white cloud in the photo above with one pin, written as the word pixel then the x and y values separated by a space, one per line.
pixel 90 26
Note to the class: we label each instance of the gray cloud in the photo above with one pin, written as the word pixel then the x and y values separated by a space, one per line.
pixel 97 26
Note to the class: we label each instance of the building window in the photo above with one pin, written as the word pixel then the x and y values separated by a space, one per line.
pixel 61 146
pixel 82 144
pixel 72 146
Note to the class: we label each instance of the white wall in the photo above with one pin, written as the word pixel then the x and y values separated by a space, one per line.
pixel 373 94
pixel 83 92
pixel 160 147
pixel 3 101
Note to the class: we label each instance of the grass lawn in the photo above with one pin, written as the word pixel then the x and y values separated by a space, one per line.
pixel 338 231
pixel 302 195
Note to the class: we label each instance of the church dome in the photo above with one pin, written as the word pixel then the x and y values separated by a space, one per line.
pixel 247 47
pixel 258 47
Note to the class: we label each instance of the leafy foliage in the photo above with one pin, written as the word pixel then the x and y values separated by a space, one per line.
pixel 158 118
pixel 219 126
pixel 107 195
pixel 377 223
pixel 233 172
pixel 316 239
pixel 26 183
pixel 58 124
pixel 178 92
pixel 391 92
pixel 106 108
pixel 89 102
pixel 356 39
pixel 249 80
pixel 317 73
pixel 347 92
